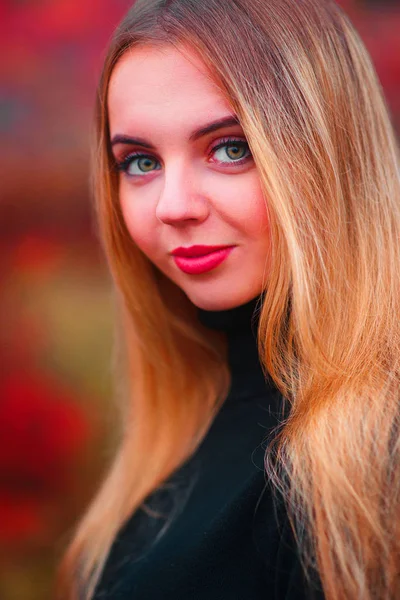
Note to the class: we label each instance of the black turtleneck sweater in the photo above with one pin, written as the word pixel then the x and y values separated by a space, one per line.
pixel 225 537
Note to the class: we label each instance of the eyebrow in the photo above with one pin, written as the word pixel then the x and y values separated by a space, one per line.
pixel 228 121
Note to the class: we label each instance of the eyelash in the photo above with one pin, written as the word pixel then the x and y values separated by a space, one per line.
pixel 124 164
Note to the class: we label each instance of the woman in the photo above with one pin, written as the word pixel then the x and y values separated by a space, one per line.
pixel 257 129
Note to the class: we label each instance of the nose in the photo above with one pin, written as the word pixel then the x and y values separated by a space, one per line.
pixel 181 200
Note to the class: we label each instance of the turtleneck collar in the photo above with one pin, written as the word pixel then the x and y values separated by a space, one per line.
pixel 240 325
pixel 232 320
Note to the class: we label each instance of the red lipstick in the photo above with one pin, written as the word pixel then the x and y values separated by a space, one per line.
pixel 200 259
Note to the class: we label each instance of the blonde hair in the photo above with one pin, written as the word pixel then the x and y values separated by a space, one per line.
pixel 308 99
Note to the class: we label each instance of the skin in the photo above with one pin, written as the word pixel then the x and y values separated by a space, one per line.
pixel 186 192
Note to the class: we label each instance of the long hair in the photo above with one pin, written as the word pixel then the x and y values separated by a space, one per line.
pixel 310 104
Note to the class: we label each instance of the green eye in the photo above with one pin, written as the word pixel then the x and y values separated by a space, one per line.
pixel 235 151
pixel 140 164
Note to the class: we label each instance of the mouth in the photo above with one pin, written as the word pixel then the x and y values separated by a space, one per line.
pixel 198 250
pixel 200 259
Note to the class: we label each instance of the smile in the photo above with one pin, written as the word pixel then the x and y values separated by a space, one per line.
pixel 201 264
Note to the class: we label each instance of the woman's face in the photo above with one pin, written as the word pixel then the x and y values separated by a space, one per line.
pixel 187 177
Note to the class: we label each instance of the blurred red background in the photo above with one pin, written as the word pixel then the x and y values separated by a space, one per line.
pixel 56 414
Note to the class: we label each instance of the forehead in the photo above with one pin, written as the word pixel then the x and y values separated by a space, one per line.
pixel 164 82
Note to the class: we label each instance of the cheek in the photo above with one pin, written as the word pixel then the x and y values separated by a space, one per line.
pixel 258 220
pixel 139 222
pixel 245 206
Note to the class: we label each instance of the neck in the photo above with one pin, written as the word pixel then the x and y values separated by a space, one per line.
pixel 240 324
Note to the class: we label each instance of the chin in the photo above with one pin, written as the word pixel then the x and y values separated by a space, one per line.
pixel 208 302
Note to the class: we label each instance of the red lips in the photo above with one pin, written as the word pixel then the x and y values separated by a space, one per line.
pixel 198 250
